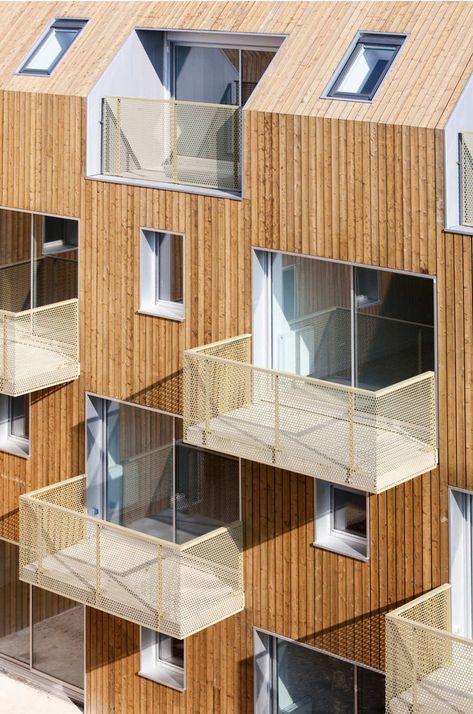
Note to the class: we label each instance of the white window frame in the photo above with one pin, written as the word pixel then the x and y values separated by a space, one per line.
pixel 460 538
pixel 16 445
pixel 156 669
pixel 149 277
pixel 328 537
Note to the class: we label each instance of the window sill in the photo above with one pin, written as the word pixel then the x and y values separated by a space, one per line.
pixel 164 313
pixel 358 551
pixel 464 230
pixel 183 188
pixel 15 448
pixel 165 677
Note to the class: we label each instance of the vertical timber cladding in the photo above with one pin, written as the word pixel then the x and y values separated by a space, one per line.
pixel 385 215
pixel 41 171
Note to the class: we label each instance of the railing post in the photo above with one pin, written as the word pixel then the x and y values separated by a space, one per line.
pixel 207 398
pixel 414 670
pixel 277 434
pixel 159 586
pixel 173 109
pixel 39 542
pixel 351 437
pixel 119 134
pixel 98 573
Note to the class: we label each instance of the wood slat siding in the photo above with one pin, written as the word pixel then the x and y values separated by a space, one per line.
pixel 362 191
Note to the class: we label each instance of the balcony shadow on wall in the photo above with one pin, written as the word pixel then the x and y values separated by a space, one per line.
pixel 110 641
pixel 165 394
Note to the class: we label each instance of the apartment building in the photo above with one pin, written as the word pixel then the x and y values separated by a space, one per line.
pixel 236 369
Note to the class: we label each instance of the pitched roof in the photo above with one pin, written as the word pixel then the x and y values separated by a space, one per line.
pixel 420 89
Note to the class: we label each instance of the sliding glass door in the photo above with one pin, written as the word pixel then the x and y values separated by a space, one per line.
pixel 337 322
pixel 142 476
pixel 290 677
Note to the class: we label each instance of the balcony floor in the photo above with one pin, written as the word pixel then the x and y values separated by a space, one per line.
pixel 315 442
pixel 34 360
pixel 131 582
pixel 437 692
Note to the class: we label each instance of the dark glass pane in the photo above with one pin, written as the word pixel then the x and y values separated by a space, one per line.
pixel 394 327
pixel 370 692
pixel 15 606
pixel 171 651
pixel 349 512
pixel 58 637
pixel 19 417
pixel 309 681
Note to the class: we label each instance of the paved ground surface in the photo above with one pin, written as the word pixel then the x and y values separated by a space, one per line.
pixel 17 697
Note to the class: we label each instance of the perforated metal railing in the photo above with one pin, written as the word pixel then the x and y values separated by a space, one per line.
pixel 172 141
pixel 466 177
pixel 370 440
pixel 428 669
pixel 176 589
pixel 39 348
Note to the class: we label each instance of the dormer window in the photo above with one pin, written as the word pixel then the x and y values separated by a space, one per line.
pixel 366 66
pixel 53 46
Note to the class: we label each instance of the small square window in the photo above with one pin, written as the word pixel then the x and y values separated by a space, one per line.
pixel 162 274
pixel 341 520
pixel 53 46
pixel 15 424
pixel 162 659
pixel 361 75
pixel 59 235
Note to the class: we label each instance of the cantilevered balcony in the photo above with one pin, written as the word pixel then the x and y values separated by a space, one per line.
pixel 370 440
pixel 39 329
pixel 176 589
pixel 177 142
pixel 428 669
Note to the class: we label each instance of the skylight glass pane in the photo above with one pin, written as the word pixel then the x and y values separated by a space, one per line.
pixel 367 67
pixel 50 51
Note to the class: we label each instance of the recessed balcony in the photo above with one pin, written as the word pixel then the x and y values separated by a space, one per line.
pixel 177 142
pixel 39 330
pixel 177 589
pixel 428 669
pixel 369 440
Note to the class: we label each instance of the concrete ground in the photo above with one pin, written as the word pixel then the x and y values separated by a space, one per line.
pixel 18 697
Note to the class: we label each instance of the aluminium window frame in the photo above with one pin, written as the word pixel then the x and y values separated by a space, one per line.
pixel 149 277
pixel 155 669
pixel 396 40
pixel 265 661
pixel 331 539
pixel 59 23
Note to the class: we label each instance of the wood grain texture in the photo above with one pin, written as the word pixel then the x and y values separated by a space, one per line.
pixel 359 184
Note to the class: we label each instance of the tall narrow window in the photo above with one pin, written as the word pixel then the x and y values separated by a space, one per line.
pixel 162 274
pixel 367 65
pixel 53 46
pixel 461 560
pixel 162 659
pixel 15 424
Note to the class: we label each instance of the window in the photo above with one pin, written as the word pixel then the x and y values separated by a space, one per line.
pixel 39 630
pixel 53 46
pixel 341 520
pixel 367 65
pixel 59 235
pixel 367 287
pixel 352 325
pixel 461 560
pixel 14 424
pixel 162 659
pixel 290 677
pixel 162 274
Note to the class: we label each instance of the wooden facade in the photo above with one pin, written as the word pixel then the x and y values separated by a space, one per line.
pixel 355 183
